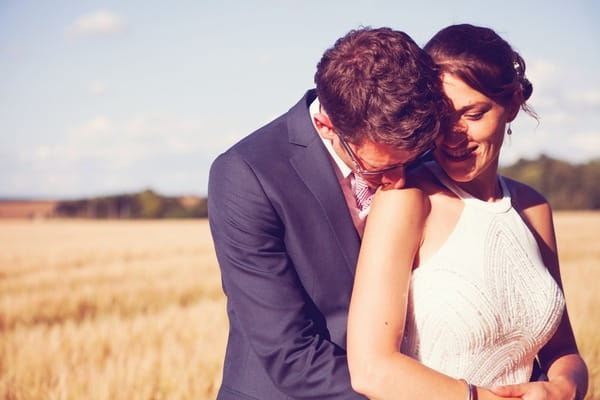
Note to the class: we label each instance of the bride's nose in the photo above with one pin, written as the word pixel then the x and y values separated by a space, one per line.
pixel 456 135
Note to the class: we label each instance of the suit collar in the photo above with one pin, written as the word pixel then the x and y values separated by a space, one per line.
pixel 299 121
pixel 312 163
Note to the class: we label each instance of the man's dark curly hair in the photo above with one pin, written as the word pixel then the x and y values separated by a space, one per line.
pixel 377 84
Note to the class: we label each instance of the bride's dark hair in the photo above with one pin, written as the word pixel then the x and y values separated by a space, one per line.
pixel 484 61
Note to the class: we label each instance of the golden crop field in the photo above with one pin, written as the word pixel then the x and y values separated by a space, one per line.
pixel 112 310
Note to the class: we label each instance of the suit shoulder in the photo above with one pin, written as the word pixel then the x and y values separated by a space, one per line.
pixel 263 136
pixel 275 135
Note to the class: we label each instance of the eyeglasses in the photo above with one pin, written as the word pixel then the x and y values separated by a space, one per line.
pixel 373 173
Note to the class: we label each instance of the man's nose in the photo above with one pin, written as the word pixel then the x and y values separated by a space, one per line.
pixel 394 179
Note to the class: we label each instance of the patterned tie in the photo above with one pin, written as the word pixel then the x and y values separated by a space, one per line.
pixel 362 192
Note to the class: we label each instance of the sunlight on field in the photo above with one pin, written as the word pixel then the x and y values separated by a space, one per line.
pixel 577 236
pixel 109 310
pixel 134 310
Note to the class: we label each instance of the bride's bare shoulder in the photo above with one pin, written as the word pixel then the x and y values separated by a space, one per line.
pixel 423 179
pixel 524 197
pixel 414 195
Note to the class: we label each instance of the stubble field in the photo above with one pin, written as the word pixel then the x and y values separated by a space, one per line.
pixel 112 310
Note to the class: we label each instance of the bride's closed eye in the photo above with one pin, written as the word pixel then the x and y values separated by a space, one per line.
pixel 474 116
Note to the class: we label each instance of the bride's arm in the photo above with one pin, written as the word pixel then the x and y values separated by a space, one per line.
pixel 378 306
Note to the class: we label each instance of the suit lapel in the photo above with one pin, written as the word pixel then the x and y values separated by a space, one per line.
pixel 311 161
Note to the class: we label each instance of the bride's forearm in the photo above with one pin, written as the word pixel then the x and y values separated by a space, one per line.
pixel 398 377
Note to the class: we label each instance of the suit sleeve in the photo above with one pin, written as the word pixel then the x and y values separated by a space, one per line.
pixel 264 293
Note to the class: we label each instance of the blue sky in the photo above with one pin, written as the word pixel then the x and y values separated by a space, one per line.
pixel 104 97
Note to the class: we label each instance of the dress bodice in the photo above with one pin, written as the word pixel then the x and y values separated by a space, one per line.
pixel 484 304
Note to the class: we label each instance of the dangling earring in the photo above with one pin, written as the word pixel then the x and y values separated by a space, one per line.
pixel 509 131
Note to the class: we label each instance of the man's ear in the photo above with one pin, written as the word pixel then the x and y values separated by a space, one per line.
pixel 324 125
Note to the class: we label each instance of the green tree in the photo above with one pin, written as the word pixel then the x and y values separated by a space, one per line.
pixel 150 204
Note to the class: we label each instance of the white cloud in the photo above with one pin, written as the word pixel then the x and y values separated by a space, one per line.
pixel 97 23
pixel 556 116
pixel 105 154
pixel 97 88
pixel 543 72
pixel 588 143
pixel 264 59
pixel 118 143
pixel 586 98
pixel 94 127
pixel 568 103
pixel 573 146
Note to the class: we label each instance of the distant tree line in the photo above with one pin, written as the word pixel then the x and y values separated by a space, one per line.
pixel 565 186
pixel 146 204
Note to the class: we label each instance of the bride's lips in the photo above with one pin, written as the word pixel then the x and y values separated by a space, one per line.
pixel 458 154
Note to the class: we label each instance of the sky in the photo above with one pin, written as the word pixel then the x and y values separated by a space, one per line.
pixel 107 97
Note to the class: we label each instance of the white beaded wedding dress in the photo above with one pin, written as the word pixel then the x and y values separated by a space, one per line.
pixel 484 304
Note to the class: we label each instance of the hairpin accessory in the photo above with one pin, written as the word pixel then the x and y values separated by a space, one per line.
pixel 517 67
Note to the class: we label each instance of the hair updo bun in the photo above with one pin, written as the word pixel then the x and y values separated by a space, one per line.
pixel 526 86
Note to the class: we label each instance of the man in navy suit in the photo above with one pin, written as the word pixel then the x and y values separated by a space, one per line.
pixel 286 221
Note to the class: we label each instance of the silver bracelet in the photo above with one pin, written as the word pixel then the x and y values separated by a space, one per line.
pixel 471 390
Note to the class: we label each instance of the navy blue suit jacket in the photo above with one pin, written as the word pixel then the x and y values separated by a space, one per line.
pixel 287 249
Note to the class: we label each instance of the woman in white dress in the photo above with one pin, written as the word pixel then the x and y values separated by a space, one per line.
pixel 457 287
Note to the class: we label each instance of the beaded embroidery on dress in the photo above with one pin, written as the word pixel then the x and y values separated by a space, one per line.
pixel 484 304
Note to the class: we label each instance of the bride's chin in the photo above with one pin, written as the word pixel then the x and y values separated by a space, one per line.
pixel 456 172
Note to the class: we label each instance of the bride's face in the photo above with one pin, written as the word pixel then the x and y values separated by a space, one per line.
pixel 470 151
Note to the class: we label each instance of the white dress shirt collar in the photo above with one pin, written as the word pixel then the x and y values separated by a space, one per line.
pixel 343 168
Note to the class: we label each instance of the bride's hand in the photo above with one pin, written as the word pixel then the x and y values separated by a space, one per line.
pixel 556 389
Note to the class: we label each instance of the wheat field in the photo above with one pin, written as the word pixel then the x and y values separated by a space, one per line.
pixel 116 310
